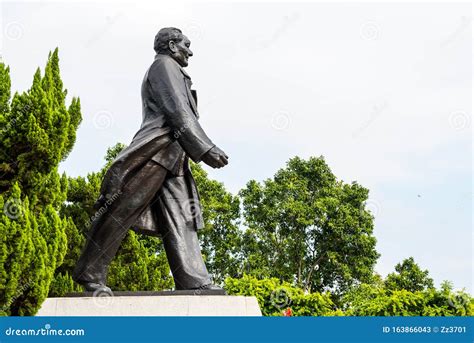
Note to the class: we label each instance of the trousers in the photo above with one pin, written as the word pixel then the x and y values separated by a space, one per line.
pixel 110 228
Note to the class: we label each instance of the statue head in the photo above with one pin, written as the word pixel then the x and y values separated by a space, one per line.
pixel 171 41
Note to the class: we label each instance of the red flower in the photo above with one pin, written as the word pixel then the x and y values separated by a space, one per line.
pixel 288 312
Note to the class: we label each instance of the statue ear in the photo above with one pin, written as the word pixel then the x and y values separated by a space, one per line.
pixel 172 46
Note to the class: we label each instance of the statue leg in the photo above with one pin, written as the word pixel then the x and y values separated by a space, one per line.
pixel 185 259
pixel 109 229
pixel 179 217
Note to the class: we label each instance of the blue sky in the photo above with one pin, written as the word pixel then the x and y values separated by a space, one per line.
pixel 382 90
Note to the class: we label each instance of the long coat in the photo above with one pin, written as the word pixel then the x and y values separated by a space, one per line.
pixel 170 134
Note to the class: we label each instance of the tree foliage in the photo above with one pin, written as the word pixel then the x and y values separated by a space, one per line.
pixel 38 131
pixel 307 228
pixel 220 237
pixel 409 276
pixel 370 300
pixel 275 296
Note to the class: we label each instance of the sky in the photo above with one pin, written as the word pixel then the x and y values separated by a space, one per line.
pixel 382 90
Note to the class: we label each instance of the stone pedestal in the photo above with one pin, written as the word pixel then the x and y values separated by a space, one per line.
pixel 178 303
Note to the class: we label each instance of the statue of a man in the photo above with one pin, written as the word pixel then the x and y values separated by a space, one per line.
pixel 149 187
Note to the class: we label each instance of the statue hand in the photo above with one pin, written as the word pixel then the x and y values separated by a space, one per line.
pixel 215 158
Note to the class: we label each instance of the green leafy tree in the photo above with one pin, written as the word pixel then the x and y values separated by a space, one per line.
pixel 38 131
pixel 372 300
pixel 407 292
pixel 307 228
pixel 409 276
pixel 221 237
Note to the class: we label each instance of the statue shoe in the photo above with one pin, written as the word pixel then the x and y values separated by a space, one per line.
pixel 211 287
pixel 96 288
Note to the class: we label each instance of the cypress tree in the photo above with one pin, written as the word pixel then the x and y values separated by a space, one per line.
pixel 38 131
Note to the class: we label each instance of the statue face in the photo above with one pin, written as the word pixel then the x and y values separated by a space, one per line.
pixel 180 51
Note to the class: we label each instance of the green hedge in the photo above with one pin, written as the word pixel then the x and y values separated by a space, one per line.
pixel 369 300
pixel 275 298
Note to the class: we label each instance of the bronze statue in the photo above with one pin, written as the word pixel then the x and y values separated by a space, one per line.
pixel 149 187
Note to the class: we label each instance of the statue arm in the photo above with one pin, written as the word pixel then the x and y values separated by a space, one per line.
pixel 169 91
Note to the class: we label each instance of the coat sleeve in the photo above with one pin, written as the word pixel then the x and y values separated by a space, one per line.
pixel 169 91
